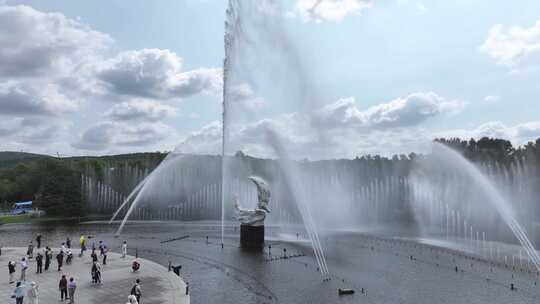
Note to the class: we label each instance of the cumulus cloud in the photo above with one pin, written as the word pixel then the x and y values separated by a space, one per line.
pixel 108 135
pixel 22 100
pixel 510 46
pixel 30 132
pixel 154 73
pixel 244 96
pixel 330 10
pixel 51 64
pixel 339 129
pixel 400 112
pixel 34 43
pixel 518 134
pixel 140 110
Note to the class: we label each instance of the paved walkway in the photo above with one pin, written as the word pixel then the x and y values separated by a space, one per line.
pixel 158 285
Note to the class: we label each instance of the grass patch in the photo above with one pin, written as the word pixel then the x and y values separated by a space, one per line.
pixel 12 219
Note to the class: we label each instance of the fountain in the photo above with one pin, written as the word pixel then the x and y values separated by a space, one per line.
pixel 440 196
pixel 448 177
pixel 238 42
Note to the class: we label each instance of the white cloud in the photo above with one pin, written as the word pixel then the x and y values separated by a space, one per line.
pixel 51 64
pixel 339 129
pixel 31 132
pixel 518 134
pixel 244 96
pixel 154 73
pixel 36 44
pixel 510 46
pixel 330 10
pixel 400 112
pixel 141 110
pixel 492 98
pixel 111 135
pixel 27 100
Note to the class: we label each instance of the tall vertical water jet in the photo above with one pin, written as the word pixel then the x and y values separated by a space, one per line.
pixel 254 40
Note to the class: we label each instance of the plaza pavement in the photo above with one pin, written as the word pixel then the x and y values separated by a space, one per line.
pixel 158 285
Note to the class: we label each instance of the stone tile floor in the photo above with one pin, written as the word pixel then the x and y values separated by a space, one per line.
pixel 158 285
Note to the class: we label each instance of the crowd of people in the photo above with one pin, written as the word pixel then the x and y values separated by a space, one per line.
pixel 67 284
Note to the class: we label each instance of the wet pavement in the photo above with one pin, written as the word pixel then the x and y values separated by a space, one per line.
pixel 388 270
pixel 158 285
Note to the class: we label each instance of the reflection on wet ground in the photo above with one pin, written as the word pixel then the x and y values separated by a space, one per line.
pixel 386 269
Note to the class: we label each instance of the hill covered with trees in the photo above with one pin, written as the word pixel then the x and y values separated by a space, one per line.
pixel 56 184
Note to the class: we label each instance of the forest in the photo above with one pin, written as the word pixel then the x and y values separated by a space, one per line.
pixel 54 184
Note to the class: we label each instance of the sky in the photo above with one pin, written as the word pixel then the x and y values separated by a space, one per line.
pixel 118 76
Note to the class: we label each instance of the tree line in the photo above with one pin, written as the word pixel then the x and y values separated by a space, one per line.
pixel 54 184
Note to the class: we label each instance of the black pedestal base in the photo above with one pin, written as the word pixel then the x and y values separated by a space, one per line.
pixel 252 237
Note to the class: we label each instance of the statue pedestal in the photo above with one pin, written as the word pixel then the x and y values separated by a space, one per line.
pixel 251 237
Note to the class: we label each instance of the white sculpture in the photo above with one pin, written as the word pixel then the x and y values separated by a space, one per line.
pixel 255 217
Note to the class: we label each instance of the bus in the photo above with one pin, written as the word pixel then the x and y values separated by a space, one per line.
pixel 22 208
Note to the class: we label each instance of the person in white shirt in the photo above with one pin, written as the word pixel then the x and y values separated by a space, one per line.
pixel 124 249
pixel 132 300
pixel 33 293
pixel 24 266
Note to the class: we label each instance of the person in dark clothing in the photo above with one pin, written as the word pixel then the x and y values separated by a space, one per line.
pixel 176 269
pixel 135 266
pixel 60 260
pixel 30 251
pixel 11 268
pixel 94 256
pixel 105 250
pixel 63 288
pixel 38 241
pixel 136 290
pixel 39 262
pixel 69 257
pixel 101 247
pixel 68 242
pixel 96 273
pixel 48 257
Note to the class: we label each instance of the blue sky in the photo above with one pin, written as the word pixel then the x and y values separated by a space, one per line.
pixel 389 75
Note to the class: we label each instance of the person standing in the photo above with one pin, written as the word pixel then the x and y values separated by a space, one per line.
pixel 60 260
pixel 33 293
pixel 24 266
pixel 101 246
pixel 62 286
pixel 94 256
pixel 124 249
pixel 82 243
pixel 63 248
pixel 136 290
pixel 19 293
pixel 39 262
pixel 30 251
pixel 38 241
pixel 48 257
pixel 96 273
pixel 71 290
pixel 105 250
pixel 68 242
pixel 11 268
